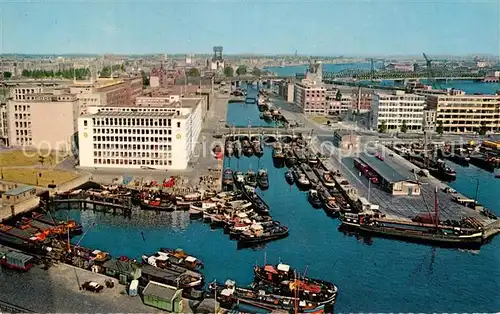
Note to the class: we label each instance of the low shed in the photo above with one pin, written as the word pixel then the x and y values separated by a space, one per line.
pixel 163 297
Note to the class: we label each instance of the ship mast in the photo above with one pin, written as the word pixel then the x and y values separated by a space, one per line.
pixel 436 209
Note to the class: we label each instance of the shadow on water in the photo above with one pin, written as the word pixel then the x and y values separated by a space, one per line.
pixel 372 275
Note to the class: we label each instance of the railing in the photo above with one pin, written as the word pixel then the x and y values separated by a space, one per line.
pixel 11 308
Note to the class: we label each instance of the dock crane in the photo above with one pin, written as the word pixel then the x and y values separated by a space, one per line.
pixel 430 73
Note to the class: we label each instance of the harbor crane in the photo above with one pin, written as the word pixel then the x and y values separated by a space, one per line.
pixel 430 72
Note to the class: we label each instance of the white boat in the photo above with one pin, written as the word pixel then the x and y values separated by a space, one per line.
pixel 197 210
pixel 303 180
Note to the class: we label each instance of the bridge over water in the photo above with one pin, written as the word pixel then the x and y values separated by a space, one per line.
pixel 367 75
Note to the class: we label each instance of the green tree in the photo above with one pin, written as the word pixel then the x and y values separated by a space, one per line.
pixel 440 128
pixel 241 70
pixel 7 75
pixel 145 79
pixel 483 129
pixel 193 72
pixel 404 127
pixel 105 72
pixel 338 96
pixel 256 71
pixel 382 128
pixel 228 71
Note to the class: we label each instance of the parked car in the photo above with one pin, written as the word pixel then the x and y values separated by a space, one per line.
pixel 92 286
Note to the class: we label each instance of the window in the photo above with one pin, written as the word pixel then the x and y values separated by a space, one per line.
pixel 84 122
pixel 178 124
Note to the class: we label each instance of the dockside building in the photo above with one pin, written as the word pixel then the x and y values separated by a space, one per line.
pixel 159 136
pixel 397 109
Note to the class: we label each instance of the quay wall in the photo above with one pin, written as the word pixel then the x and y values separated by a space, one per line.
pixel 7 212
pixel 70 185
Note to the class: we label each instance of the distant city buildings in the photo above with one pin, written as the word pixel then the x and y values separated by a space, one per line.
pixel 402 67
pixel 397 109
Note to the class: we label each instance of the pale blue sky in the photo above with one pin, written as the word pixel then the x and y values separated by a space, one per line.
pixel 271 27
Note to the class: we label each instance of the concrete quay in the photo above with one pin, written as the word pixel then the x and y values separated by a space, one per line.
pixel 56 290
pixel 403 208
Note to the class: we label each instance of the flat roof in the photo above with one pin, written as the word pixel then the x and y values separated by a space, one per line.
pixel 19 190
pixel 160 291
pixel 19 256
pixel 131 114
pixel 386 171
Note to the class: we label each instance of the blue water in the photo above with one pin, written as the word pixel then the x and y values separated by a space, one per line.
pixel 386 276
pixel 244 115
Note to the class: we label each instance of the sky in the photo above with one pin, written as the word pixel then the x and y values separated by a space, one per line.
pixel 322 27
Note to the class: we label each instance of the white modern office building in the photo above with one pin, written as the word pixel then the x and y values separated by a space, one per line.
pixel 396 109
pixel 159 137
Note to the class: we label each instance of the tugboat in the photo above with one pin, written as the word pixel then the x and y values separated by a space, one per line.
pixel 289 283
pixel 227 177
pixel 263 179
pixel 313 198
pixel 183 259
pixel 289 177
pixel 229 148
pixel 257 148
pixel 441 171
pixel 267 115
pixel 237 149
pixel 278 155
pixel 247 148
pixel 251 178
pixel 301 157
pixel 239 179
pixel 229 294
pixel 290 159
pixel 258 234
pixel 303 182
pixel 312 158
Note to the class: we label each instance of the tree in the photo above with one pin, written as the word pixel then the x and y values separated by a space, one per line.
pixel 483 129
pixel 241 70
pixel 382 128
pixel 7 75
pixel 105 72
pixel 256 71
pixel 404 127
pixel 228 71
pixel 193 72
pixel 338 96
pixel 440 128
pixel 145 79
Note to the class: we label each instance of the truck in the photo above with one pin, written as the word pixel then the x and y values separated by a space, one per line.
pixel 16 260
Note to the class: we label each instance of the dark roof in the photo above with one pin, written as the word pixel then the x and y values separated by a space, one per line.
pixel 383 169
pixel 160 291
pixel 159 273
pixel 19 190
pixel 23 258
pixel 124 267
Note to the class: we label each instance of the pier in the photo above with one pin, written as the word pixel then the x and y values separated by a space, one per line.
pixel 106 206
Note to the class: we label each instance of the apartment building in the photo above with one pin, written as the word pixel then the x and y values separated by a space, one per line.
pixel 43 120
pixel 161 136
pixel 4 132
pixel 361 100
pixel 395 109
pixel 466 113
pixel 286 90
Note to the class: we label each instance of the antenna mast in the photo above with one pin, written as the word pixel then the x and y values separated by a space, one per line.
pixel 436 209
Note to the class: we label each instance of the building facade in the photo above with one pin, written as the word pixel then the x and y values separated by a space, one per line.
pixel 429 123
pixel 45 120
pixel 397 109
pixel 159 137
pixel 466 113
pixel 361 100
pixel 286 90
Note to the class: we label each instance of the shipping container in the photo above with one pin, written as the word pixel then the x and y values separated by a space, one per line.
pixel 17 260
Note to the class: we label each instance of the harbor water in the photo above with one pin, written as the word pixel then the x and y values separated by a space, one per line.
pixel 373 275
pixel 240 114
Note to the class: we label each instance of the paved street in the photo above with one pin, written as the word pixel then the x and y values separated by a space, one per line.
pixel 56 291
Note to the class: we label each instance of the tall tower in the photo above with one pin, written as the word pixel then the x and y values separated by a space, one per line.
pixel 217 60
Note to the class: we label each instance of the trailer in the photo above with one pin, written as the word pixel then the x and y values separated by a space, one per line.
pixel 17 261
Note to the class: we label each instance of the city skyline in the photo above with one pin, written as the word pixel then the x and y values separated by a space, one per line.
pixel 277 28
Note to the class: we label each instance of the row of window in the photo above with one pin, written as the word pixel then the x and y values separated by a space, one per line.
pixel 133 131
pixel 23 140
pixel 109 161
pixel 132 139
pixel 133 146
pixel 22 116
pixel 132 154
pixel 23 132
pixel 23 124
pixel 131 122
pixel 21 108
